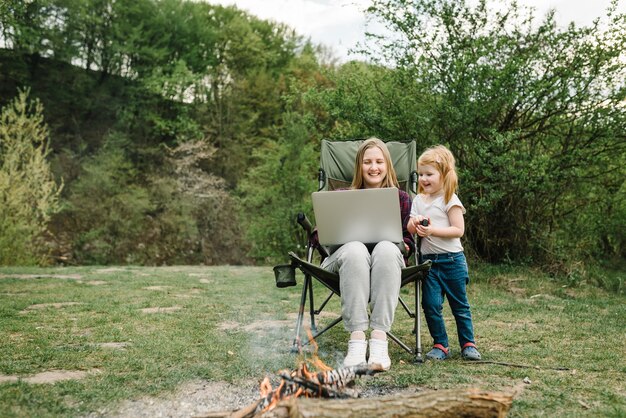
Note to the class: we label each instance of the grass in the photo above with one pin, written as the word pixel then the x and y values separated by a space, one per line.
pixel 232 324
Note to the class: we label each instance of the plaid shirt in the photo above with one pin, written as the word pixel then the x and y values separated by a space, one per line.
pixel 405 213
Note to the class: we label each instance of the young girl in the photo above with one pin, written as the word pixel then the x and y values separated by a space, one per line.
pixel 437 217
pixel 371 274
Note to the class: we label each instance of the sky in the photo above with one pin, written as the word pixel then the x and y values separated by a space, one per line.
pixel 340 24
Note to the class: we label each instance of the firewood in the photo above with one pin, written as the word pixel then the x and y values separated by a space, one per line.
pixel 443 403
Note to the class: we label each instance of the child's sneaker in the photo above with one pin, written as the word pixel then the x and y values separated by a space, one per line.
pixel 470 352
pixel 356 353
pixel 379 353
pixel 439 352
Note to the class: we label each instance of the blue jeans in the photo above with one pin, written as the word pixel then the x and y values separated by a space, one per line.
pixel 447 277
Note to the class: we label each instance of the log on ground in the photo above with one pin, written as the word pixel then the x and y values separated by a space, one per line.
pixel 441 403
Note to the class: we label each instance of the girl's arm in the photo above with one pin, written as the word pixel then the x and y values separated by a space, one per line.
pixel 455 230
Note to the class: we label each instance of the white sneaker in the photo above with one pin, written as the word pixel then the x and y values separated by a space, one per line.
pixel 379 353
pixel 356 353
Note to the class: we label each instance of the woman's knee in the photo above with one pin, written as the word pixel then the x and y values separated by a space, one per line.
pixel 387 250
pixel 355 250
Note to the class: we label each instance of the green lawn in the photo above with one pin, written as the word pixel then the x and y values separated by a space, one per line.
pixel 137 331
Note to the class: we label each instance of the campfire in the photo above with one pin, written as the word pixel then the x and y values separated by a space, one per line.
pixel 300 392
pixel 306 383
pixel 303 393
pixel 302 382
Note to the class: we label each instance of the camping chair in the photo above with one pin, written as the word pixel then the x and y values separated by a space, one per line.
pixel 337 167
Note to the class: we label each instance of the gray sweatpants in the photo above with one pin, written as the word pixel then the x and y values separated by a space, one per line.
pixel 365 277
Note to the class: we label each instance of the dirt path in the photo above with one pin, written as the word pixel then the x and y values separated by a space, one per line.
pixel 192 399
pixel 199 398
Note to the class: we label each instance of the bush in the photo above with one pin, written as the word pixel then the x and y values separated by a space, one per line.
pixel 176 215
pixel 28 192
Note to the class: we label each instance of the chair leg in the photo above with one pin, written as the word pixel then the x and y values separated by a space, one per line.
pixel 311 306
pixel 400 343
pixel 418 322
pixel 406 307
pixel 321 307
pixel 297 342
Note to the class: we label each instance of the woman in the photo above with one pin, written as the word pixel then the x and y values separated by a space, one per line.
pixel 370 274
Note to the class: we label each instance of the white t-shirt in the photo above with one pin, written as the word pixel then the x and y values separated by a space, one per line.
pixel 437 212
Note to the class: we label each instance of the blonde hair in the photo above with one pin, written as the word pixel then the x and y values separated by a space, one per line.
pixel 390 180
pixel 442 159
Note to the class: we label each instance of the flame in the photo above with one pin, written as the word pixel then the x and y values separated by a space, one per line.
pixel 276 396
pixel 315 361
pixel 266 387
pixel 283 391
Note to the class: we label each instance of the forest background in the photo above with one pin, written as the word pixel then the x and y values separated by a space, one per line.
pixel 160 132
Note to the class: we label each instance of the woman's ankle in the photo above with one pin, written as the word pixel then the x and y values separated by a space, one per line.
pixel 357 335
pixel 378 335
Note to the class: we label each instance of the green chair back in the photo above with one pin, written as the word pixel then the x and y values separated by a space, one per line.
pixel 337 163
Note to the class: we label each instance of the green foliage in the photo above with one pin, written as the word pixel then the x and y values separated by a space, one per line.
pixel 370 100
pixel 160 112
pixel 106 209
pixel 284 171
pixel 28 192
pixel 177 215
pixel 275 191
pixel 157 78
pixel 533 113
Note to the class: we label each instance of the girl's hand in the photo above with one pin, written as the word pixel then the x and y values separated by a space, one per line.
pixel 424 231
pixel 413 223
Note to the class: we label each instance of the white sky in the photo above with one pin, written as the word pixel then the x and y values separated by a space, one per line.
pixel 340 24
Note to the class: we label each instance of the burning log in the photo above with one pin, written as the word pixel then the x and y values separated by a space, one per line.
pixel 302 382
pixel 333 384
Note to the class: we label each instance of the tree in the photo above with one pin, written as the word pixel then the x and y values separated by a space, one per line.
pixel 280 183
pixel 28 193
pixel 275 191
pixel 130 87
pixel 534 114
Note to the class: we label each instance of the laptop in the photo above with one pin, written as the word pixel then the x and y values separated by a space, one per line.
pixel 365 215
